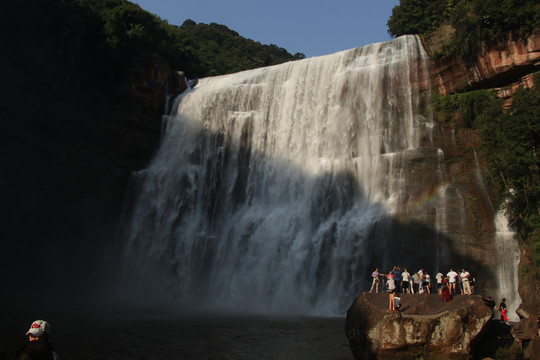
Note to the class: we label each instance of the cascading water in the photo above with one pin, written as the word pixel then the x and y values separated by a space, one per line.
pixel 269 182
pixel 507 264
pixel 506 251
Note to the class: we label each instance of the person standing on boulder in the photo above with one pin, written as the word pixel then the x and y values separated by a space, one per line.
pixel 391 289
pixel 425 280
pixel 390 284
pixel 397 279
pixel 452 275
pixel 427 283
pixel 439 278
pixel 405 278
pixel 375 283
pixel 445 291
pixel 416 283
pixel 421 283
pixel 502 309
pixel 472 280
pixel 464 275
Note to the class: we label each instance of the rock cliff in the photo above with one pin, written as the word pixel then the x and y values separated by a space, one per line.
pixel 504 69
pixel 508 64
pixel 423 325
pixel 69 146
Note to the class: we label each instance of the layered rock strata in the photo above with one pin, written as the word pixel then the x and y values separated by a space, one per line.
pixel 495 68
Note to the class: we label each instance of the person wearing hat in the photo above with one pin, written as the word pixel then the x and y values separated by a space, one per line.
pixel 38 347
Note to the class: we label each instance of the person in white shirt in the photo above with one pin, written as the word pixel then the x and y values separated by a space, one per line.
pixel 391 291
pixel 415 283
pixel 421 281
pixel 452 275
pixel 464 275
pixel 427 283
pixel 405 281
pixel 439 278
pixel 390 284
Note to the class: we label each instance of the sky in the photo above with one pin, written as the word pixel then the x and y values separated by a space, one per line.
pixel 311 27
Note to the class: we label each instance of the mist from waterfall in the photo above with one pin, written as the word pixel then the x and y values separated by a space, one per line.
pixel 269 182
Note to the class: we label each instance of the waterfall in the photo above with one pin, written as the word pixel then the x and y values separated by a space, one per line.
pixel 269 183
pixel 506 251
pixel 507 264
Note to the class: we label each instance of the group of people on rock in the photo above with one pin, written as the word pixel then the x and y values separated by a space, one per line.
pixel 398 281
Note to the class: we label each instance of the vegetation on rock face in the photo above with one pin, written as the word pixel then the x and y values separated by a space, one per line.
pixel 107 33
pixel 476 22
pixel 509 144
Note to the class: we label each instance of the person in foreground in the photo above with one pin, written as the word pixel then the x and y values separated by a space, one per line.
pixel 38 347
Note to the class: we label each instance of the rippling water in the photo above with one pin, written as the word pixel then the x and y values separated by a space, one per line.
pixel 145 335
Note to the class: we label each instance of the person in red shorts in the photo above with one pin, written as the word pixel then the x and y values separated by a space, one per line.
pixel 502 309
pixel 445 290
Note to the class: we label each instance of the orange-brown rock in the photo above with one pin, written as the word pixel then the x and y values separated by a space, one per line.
pixel 423 325
pixel 506 64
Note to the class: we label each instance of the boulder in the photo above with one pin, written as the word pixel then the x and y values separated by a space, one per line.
pixel 533 350
pixel 424 325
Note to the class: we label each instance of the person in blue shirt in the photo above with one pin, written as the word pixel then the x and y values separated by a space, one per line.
pixel 397 279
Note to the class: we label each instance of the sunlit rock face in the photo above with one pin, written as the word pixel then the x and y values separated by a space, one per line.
pixel 495 67
pixel 280 189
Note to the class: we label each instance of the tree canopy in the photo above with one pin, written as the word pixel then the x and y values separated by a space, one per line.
pixel 225 51
pixel 110 31
pixel 476 22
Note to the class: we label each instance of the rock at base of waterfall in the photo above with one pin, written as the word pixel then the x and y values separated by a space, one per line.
pixel 423 325
pixel 533 350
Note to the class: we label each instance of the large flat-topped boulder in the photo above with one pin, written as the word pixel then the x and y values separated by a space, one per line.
pixel 424 325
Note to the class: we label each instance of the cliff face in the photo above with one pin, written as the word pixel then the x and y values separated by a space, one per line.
pixel 68 148
pixel 495 68
pixel 504 70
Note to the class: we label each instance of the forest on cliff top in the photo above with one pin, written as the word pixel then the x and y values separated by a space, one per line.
pixel 470 24
pixel 112 31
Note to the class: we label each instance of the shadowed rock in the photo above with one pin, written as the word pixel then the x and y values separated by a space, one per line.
pixel 423 325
